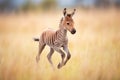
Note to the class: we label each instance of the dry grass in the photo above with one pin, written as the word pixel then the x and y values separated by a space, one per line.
pixel 95 48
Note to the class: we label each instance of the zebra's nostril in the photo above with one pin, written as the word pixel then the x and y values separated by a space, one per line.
pixel 73 31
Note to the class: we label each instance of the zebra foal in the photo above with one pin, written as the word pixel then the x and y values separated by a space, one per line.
pixel 57 39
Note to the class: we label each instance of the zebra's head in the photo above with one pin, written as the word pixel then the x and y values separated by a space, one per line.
pixel 68 22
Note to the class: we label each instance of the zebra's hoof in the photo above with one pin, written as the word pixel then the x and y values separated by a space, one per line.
pixel 59 66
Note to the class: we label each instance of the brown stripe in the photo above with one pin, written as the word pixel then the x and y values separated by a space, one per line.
pixel 48 40
pixel 52 39
pixel 56 35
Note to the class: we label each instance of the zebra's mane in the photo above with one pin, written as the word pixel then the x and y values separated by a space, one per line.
pixel 60 22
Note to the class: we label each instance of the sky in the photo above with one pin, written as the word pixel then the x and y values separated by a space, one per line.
pixel 61 3
pixel 18 2
pixel 66 2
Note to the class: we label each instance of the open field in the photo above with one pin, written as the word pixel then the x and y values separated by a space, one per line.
pixel 95 48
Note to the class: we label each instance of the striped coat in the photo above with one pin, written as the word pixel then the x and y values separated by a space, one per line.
pixel 57 39
pixel 54 38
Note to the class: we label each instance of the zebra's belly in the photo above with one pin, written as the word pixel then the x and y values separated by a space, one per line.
pixel 56 44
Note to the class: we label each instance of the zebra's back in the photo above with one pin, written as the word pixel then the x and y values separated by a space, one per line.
pixel 48 37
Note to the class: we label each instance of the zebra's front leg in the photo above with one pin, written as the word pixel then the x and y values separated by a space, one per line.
pixel 62 56
pixel 49 56
pixel 65 48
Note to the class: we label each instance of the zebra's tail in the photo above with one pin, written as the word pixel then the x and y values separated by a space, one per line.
pixel 36 39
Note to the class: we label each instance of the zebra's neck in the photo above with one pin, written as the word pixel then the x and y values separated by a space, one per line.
pixel 62 32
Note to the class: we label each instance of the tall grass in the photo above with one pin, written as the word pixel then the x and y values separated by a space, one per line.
pixel 95 48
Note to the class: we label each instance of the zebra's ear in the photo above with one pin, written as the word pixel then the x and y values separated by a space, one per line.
pixel 64 12
pixel 73 12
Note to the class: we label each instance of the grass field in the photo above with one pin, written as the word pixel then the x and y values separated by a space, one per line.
pixel 95 48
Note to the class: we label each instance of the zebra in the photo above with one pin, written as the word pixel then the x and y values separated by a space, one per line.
pixel 57 39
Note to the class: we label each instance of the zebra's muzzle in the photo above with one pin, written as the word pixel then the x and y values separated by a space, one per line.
pixel 73 31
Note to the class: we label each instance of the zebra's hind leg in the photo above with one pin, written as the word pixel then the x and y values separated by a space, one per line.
pixel 49 56
pixel 41 47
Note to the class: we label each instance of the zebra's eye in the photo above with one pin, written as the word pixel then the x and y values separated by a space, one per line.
pixel 68 23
